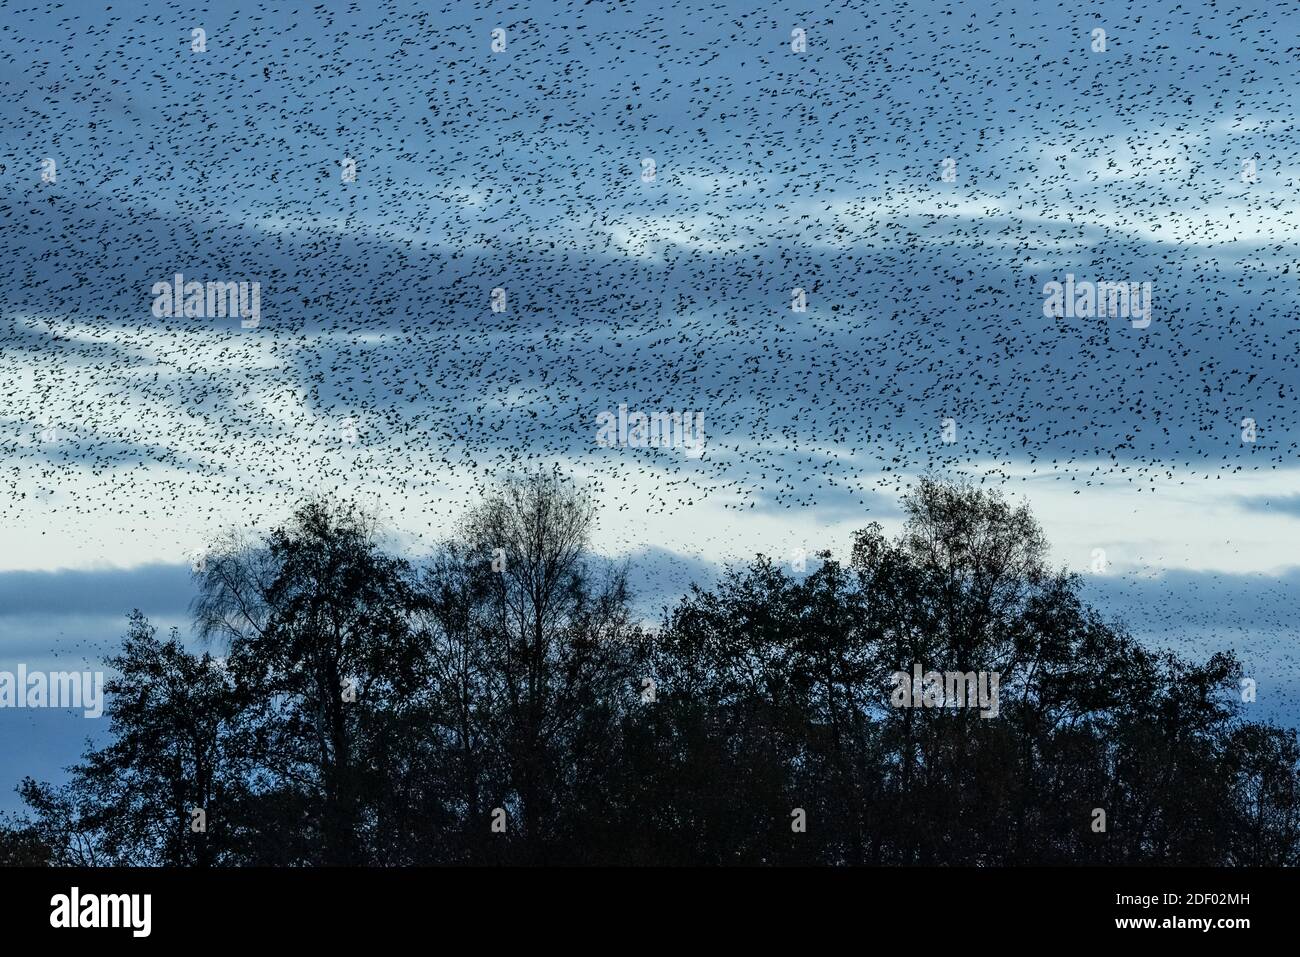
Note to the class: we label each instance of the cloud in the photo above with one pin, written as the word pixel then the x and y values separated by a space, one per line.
pixel 157 590
pixel 1288 505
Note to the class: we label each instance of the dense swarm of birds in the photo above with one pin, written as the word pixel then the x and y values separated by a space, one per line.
pixel 650 188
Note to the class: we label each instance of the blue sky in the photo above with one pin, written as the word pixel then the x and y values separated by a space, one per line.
pixel 128 441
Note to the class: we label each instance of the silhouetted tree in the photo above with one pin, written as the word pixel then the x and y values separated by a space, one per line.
pixel 551 658
pixel 21 846
pixel 369 711
pixel 316 617
pixel 176 749
pixel 784 684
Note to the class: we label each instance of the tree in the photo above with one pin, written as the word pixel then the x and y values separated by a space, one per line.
pixel 177 749
pixel 369 711
pixel 785 685
pixel 21 845
pixel 316 617
pixel 553 656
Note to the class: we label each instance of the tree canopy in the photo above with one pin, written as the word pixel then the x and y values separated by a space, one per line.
pixel 500 703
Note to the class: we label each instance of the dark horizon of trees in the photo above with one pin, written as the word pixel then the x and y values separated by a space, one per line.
pixel 500 704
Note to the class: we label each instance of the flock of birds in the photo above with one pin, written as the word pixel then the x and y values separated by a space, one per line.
pixel 648 194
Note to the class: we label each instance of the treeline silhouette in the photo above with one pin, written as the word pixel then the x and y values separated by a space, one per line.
pixel 501 704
